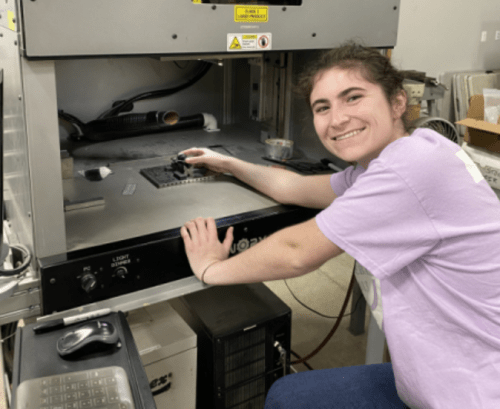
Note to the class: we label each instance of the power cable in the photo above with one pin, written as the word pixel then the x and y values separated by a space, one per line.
pixel 112 114
pixel 335 326
pixel 18 252
pixel 119 106
pixel 319 313
pixel 305 363
pixel 7 337
pixel 180 66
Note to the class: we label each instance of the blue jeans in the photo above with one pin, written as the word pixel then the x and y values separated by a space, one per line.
pixel 353 387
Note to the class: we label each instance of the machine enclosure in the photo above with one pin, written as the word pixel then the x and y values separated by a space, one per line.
pixel 185 27
pixel 63 54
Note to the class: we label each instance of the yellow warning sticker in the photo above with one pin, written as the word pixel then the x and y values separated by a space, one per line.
pixel 11 20
pixel 197 1
pixel 249 42
pixel 251 14
pixel 235 44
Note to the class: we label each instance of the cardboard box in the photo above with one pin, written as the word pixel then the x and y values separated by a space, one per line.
pixel 168 350
pixel 480 133
pixel 487 162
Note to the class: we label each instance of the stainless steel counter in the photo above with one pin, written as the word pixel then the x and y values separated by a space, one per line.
pixel 133 206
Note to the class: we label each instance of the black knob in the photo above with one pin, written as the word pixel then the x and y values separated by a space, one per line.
pixel 89 282
pixel 121 272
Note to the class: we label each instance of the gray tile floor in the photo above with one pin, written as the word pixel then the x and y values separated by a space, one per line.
pixel 324 290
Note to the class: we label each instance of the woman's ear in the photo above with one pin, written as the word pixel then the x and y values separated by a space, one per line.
pixel 399 106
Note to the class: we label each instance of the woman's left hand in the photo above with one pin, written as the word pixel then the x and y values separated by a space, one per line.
pixel 202 244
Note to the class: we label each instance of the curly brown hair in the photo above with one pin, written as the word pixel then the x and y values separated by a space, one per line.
pixel 375 68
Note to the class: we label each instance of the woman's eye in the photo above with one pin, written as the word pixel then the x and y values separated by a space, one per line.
pixel 353 98
pixel 318 110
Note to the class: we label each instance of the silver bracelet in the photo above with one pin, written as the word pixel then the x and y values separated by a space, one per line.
pixel 206 268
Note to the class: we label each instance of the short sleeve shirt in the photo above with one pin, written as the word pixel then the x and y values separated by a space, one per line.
pixel 423 221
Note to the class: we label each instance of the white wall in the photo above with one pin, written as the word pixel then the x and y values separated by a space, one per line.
pixel 436 36
pixel 442 36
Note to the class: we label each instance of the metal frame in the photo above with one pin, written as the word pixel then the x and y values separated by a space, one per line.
pixel 44 156
pixel 56 28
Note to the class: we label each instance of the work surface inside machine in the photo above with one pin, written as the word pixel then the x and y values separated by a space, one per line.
pixel 125 204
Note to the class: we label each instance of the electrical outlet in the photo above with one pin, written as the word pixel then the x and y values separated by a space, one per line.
pixel 497 35
pixel 483 36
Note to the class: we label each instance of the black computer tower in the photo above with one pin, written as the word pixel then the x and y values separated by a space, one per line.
pixel 240 330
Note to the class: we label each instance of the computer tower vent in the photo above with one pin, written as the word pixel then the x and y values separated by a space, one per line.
pixel 245 357
pixel 249 396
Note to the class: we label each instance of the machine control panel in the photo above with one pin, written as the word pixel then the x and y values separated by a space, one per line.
pixel 99 273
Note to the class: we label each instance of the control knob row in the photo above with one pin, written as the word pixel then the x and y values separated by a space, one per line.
pixel 89 280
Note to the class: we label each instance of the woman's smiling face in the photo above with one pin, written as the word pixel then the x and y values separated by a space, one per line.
pixel 352 115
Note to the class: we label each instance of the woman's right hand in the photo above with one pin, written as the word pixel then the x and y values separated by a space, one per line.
pixel 207 158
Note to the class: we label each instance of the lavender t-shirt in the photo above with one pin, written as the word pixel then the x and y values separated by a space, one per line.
pixel 423 220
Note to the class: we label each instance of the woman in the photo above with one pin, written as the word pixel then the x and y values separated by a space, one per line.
pixel 415 211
